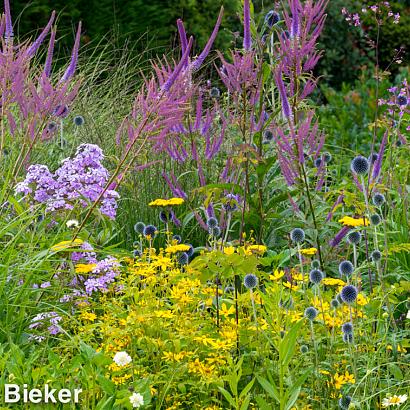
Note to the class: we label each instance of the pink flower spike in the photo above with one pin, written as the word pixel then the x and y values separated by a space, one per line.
pixel 74 56
pixel 35 46
pixel 8 34
pixel 182 35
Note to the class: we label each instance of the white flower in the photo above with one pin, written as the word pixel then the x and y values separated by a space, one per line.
pixel 72 223
pixel 122 359
pixel 394 400
pixel 136 400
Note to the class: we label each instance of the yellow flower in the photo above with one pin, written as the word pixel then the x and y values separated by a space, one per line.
pixel 340 380
pixel 167 202
pixel 394 400
pixel 177 248
pixel 88 316
pixel 362 300
pixel 290 286
pixel 353 222
pixel 258 249
pixel 229 250
pixel 224 311
pixel 308 251
pixel 277 274
pixel 400 349
pixel 84 268
pixel 333 282
pixel 66 244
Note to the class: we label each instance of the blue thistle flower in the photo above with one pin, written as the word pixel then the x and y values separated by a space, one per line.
pixel 375 219
pixel 164 216
pixel 250 281
pixel 139 227
pixel 52 126
pixel 399 143
pixel 150 230
pixel 61 111
pixel 136 253
pixel 378 199
pixel 315 264
pixel 285 34
pixel 268 135
pixel 327 157
pixel 215 232
pixel 349 294
pixel 212 222
pixel 334 303
pixel 373 158
pixel 344 402
pixel 311 313
pixel 78 120
pixel 272 18
pixel 177 238
pixel 316 276
pixel 354 237
pixel 215 92
pixel 376 255
pixel 318 162
pixel 304 349
pixel 347 327
pixel 190 251
pixel 231 202
pixel 348 337
pixel 183 258
pixel 360 165
pixel 402 100
pixel 346 268
pixel 297 235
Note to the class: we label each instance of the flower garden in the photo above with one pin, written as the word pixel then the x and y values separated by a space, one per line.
pixel 203 240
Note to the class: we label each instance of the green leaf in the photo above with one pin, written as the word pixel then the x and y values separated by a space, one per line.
pixel 270 388
pixel 246 389
pixel 227 396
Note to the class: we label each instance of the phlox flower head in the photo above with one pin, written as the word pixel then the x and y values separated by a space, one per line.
pixel 136 400
pixel 122 359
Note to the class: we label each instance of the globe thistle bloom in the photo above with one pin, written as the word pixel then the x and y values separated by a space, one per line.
pixel 304 349
pixel 164 216
pixel 183 258
pixel 334 303
pixel 346 268
pixel 373 158
pixel 52 126
pixel 360 165
pixel 231 203
pixel 311 313
pixel 402 100
pixel 376 255
pixel 272 18
pixel 378 199
pixel 215 232
pixel 348 337
pixel 316 276
pixel 136 253
pixel 344 402
pixel 139 227
pixel 327 157
pixel 250 281
pixel 375 219
pixel 268 135
pixel 150 230
pixel 212 222
pixel 318 162
pixel 215 92
pixel 349 294
pixel 78 120
pixel 315 264
pixel 177 238
pixel 190 251
pixel 354 237
pixel 297 235
pixel 347 327
pixel 61 111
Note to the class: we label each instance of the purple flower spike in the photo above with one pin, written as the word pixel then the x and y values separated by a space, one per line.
pixel 339 236
pixel 35 46
pixel 182 35
pixel 168 84
pixel 282 92
pixel 74 57
pixel 201 58
pixel 295 19
pixel 49 59
pixel 8 34
pixel 378 164
pixel 247 42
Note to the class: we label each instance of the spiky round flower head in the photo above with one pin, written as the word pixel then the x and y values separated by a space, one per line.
pixel 139 227
pixel 271 18
pixel 304 349
pixel 250 281
pixel 344 402
pixel 348 337
pixel 311 313
pixel 191 250
pixel 136 253
pixel 212 222
pixel 318 162
pixel 354 237
pixel 52 126
pixel 150 231
pixel 215 232
pixel 375 219
pixel 402 100
pixel 376 255
pixel 360 165
pixel 177 238
pixel 316 276
pixel 183 258
pixel 297 235
pixel 61 111
pixel 399 143
pixel 164 216
pixel 349 294
pixel 78 120
pixel 327 157
pixel 346 268
pixel 378 199
pixel 315 264
pixel 334 303
pixel 231 203
pixel 215 92
pixel 373 157
pixel 347 327
pixel 268 135
pixel 285 34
